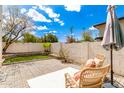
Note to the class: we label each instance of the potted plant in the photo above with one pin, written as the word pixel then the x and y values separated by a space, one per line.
pixel 47 47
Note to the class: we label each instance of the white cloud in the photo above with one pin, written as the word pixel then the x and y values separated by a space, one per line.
pixel 32 32
pixel 34 7
pixel 36 16
pixel 56 19
pixel 53 31
pixel 75 8
pixel 59 21
pixel 23 10
pixel 52 14
pixel 34 27
pixel 49 11
pixel 92 28
pixel 42 28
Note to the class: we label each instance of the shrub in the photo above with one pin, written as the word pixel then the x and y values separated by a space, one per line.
pixel 87 36
pixel 47 47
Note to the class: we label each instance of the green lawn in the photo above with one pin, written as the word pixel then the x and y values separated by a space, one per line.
pixel 23 59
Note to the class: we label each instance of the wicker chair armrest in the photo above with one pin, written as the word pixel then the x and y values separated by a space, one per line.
pixel 70 82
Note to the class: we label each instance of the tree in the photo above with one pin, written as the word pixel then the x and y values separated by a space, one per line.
pixel 27 37
pixel 70 38
pixel 15 24
pixel 49 38
pixel 87 36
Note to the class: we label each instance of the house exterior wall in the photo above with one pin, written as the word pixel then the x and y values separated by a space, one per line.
pixel 101 28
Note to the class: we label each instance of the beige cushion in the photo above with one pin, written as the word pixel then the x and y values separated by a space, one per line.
pixel 90 63
pixel 98 62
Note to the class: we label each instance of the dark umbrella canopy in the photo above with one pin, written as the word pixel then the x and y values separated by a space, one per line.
pixel 113 36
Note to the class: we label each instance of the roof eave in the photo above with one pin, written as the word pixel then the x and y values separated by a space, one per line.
pixel 105 22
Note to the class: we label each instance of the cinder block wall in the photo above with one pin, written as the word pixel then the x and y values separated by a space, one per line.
pixel 24 47
pixel 55 48
pixel 118 57
pixel 79 52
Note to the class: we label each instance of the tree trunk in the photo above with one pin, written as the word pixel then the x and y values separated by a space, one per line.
pixel 6 46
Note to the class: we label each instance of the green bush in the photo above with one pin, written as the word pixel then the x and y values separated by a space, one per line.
pixel 47 47
pixel 87 36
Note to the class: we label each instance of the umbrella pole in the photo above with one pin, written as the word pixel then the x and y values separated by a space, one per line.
pixel 111 56
pixel 111 49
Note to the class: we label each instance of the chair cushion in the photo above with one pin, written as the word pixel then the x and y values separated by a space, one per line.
pixel 97 61
pixel 77 76
pixel 90 63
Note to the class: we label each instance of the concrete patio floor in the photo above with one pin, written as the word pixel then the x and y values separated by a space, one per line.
pixel 18 74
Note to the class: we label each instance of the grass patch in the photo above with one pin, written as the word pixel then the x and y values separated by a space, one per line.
pixel 23 59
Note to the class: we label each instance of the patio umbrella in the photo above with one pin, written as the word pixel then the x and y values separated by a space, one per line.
pixel 113 35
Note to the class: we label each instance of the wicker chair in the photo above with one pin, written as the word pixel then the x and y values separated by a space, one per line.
pixel 89 78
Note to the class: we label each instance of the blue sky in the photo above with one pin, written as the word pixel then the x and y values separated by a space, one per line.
pixel 58 19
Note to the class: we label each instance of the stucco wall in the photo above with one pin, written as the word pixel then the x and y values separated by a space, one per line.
pixel 55 48
pixel 24 47
pixel 118 57
pixel 80 52
pixel 76 51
